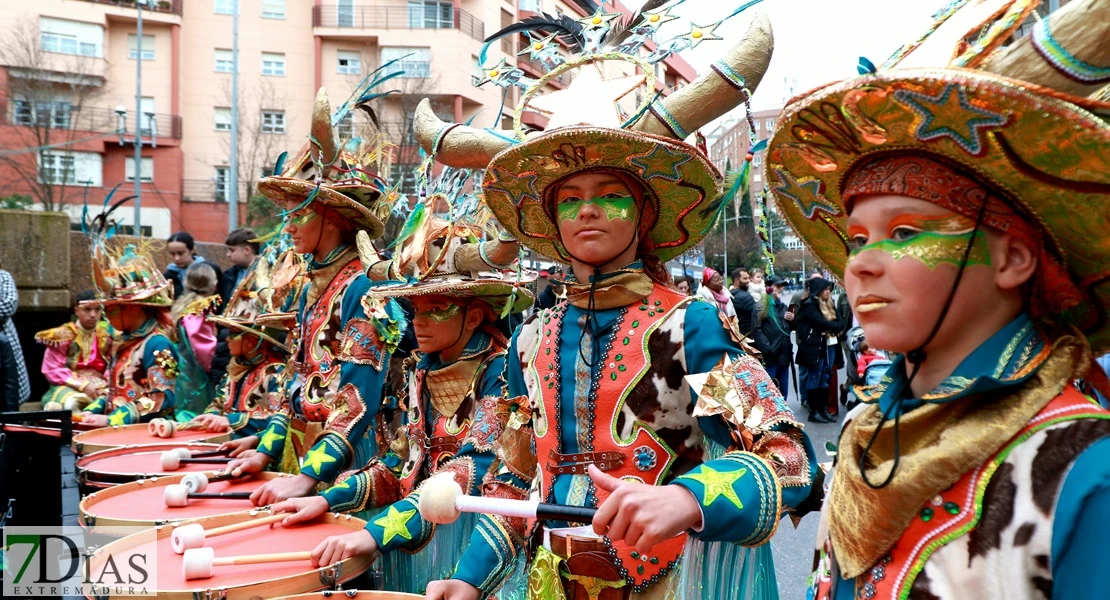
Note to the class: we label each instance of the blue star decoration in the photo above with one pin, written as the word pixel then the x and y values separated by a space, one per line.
pixel 524 186
pixel 950 115
pixel 661 161
pixel 806 193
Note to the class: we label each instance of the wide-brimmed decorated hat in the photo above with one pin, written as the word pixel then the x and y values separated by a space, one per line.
pixel 251 307
pixel 440 251
pixel 342 174
pixel 588 130
pixel 123 272
pixel 1016 120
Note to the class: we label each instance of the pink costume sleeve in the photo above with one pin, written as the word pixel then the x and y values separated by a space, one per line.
pixel 54 366
pixel 202 337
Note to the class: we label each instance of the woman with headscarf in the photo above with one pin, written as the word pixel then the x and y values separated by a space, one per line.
pixel 713 291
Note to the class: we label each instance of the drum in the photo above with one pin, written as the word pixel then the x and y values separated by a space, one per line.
pixel 358 595
pixel 140 503
pixel 131 463
pixel 233 582
pixel 104 438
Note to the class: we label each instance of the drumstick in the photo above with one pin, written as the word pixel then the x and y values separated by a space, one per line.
pixel 172 461
pixel 197 563
pixel 442 501
pixel 194 534
pixel 178 495
pixel 198 482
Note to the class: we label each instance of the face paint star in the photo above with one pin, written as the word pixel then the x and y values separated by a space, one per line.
pixel 268 439
pixel 117 418
pixel 316 459
pixel 718 484
pixel 951 115
pixel 589 99
pixel 662 162
pixel 702 33
pixel 518 188
pixel 807 194
pixel 395 523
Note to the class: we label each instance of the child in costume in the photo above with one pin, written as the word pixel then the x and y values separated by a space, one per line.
pixel 196 338
pixel 136 298
pixel 253 388
pixel 344 338
pixel 966 209
pixel 76 358
pixel 456 405
pixel 640 401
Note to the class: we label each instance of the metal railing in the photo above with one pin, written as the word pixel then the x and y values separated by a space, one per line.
pixel 202 190
pixel 160 6
pixel 97 120
pixel 397 17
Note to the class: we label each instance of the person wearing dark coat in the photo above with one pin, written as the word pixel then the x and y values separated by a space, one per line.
pixel 817 326
pixel 771 334
pixel 743 303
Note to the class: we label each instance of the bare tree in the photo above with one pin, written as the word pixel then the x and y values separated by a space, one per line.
pixel 47 109
pixel 259 143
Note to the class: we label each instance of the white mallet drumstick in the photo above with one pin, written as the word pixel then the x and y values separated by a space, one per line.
pixel 172 461
pixel 442 501
pixel 193 535
pixel 197 563
pixel 178 495
pixel 198 482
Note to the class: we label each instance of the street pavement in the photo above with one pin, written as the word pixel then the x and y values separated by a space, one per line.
pixel 793 548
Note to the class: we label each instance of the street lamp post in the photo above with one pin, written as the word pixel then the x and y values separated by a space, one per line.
pixel 138 231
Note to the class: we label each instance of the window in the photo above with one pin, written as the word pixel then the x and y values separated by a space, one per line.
pixel 345 128
pixel 408 178
pixel 532 5
pixel 273 9
pixel 56 114
pixel 70 168
pixel 431 14
pixel 350 62
pixel 221 184
pixel 133 47
pixel 224 7
pixel 273 121
pixel 273 64
pixel 71 37
pixel 755 160
pixel 756 126
pixel 223 119
pixel 345 13
pixel 507 43
pixel 147 175
pixel 415 62
pixel 770 125
pixel 223 61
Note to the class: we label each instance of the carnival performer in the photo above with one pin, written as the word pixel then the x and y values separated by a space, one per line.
pixel 344 337
pixel 196 338
pixel 687 479
pixel 136 298
pixel 253 388
pixel 456 405
pixel 76 358
pixel 964 202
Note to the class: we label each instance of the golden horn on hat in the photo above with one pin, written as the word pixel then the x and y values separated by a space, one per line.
pixel 717 91
pixel 1081 28
pixel 323 136
pixel 462 147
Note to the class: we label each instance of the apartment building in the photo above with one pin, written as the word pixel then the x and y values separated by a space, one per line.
pixel 68 91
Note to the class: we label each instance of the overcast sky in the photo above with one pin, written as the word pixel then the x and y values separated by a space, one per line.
pixel 816 41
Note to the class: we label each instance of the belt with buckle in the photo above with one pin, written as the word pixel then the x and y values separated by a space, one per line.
pixel 575 464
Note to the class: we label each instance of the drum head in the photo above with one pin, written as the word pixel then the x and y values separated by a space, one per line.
pixel 104 438
pixel 131 463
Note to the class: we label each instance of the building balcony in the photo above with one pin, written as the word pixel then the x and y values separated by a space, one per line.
pixel 62 116
pixel 203 190
pixel 358 19
pixel 172 7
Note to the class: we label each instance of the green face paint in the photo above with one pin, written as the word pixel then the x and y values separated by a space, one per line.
pixel 933 249
pixel 303 217
pixel 621 208
pixel 441 315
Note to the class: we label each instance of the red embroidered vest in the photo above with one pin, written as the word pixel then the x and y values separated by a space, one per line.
pixel 123 387
pixel 952 514
pixel 319 345
pixel 646 459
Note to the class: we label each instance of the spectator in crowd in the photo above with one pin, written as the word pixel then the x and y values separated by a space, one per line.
pixel 555 292
pixel 773 325
pixel 817 327
pixel 16 372
pixel 196 337
pixel 742 302
pixel 757 287
pixel 241 252
pixel 684 284
pixel 182 252
pixel 712 290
